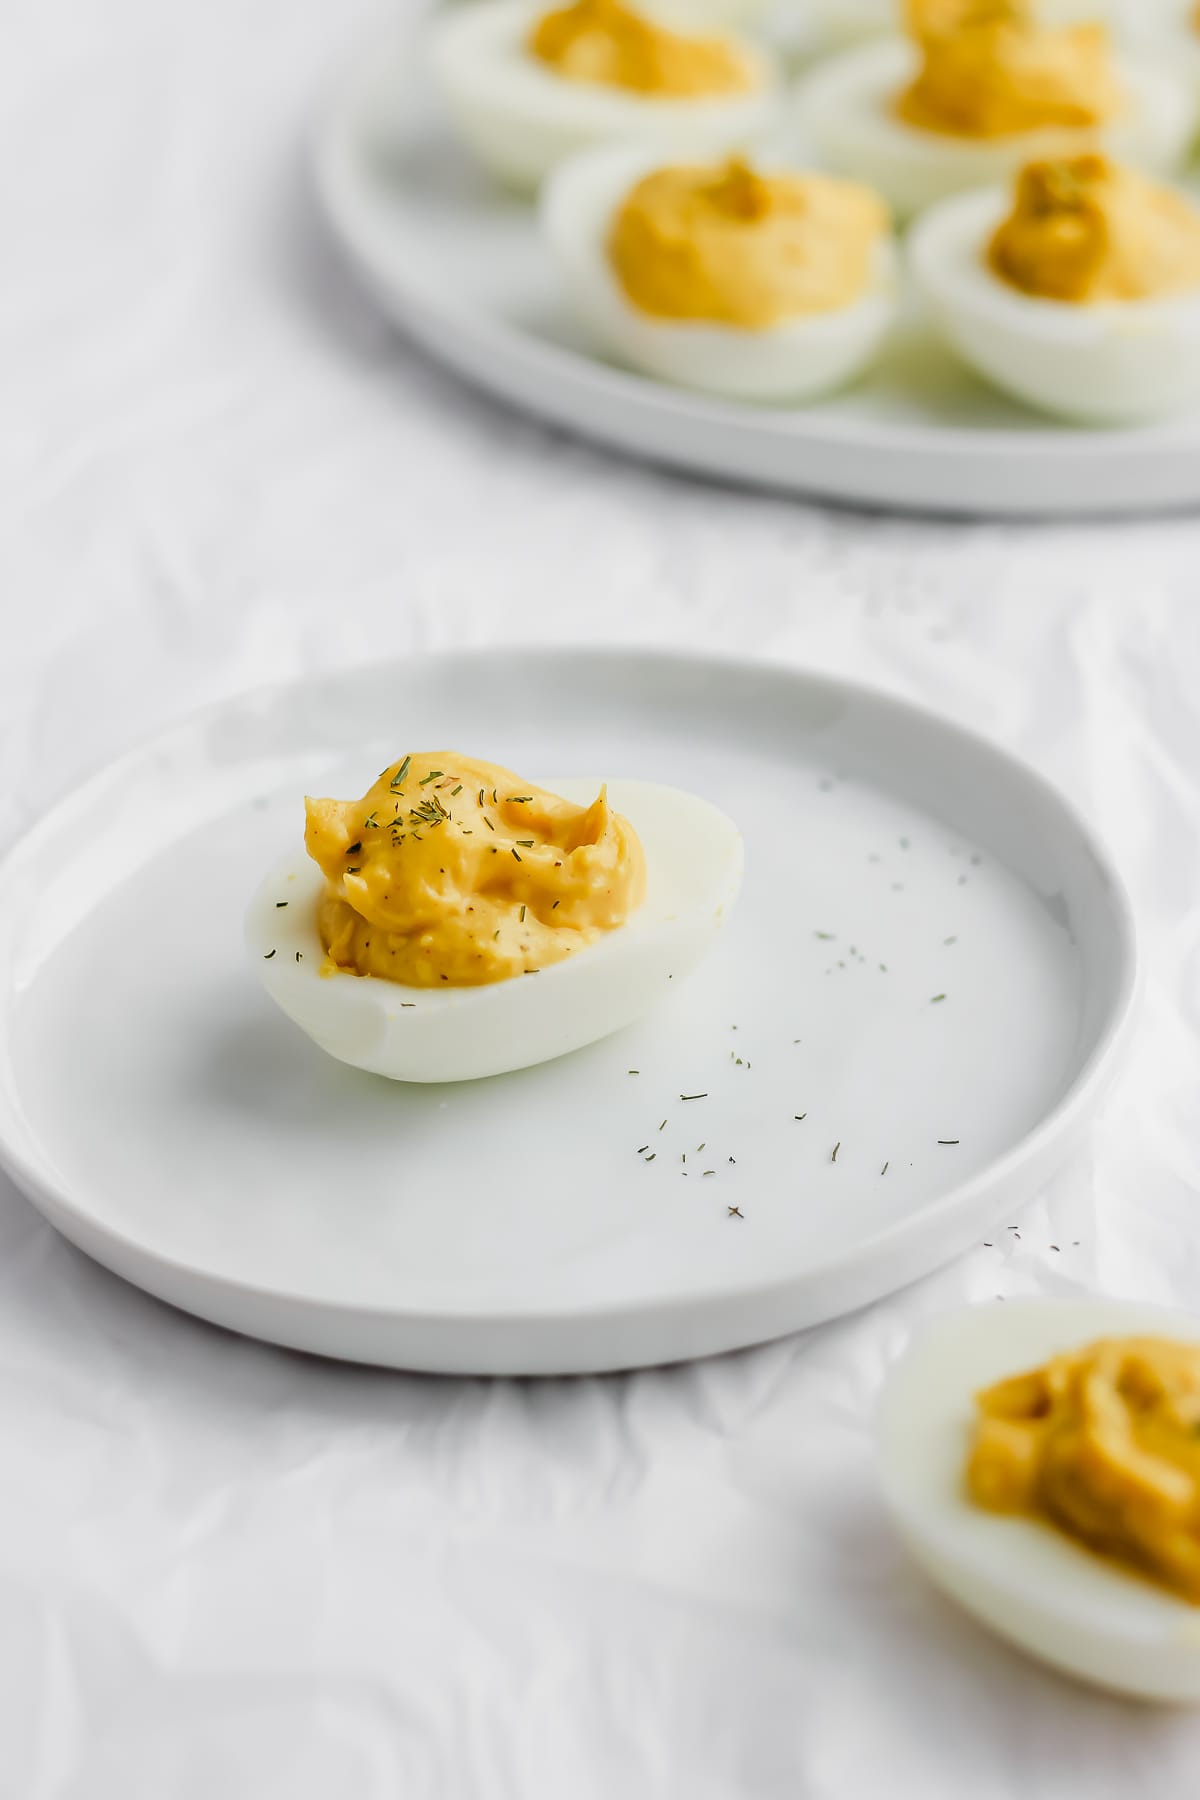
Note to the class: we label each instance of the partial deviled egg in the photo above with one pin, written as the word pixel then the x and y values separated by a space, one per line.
pixel 1029 1581
pixel 750 282
pixel 1067 317
pixel 501 923
pixel 526 85
pixel 854 112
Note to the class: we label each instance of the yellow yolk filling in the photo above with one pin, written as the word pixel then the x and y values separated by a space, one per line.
pixel 603 41
pixel 1083 229
pixel 455 871
pixel 988 70
pixel 738 248
pixel 1103 1443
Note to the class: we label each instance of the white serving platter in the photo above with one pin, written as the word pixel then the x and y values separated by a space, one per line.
pixel 460 266
pixel 931 967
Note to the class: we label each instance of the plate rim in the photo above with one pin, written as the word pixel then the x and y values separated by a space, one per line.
pixel 525 371
pixel 81 1222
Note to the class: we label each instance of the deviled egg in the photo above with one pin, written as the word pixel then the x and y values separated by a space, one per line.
pixel 458 922
pixel 1081 297
pixel 981 87
pixel 763 285
pixel 526 86
pixel 1041 1460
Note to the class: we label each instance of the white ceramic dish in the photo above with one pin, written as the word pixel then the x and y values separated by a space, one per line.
pixel 461 267
pixel 167 1118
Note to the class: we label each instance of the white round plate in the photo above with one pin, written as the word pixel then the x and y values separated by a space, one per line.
pixel 461 267
pixel 929 968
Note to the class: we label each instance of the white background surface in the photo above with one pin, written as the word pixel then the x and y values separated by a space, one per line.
pixel 226 1570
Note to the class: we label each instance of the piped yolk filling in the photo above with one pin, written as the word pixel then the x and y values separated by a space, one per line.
pixel 1104 1444
pixel 603 41
pixel 1083 229
pixel 455 872
pixel 739 248
pixel 989 70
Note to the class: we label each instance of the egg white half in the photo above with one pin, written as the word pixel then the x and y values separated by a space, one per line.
pixel 1030 1583
pixel 693 872
pixel 1106 363
pixel 520 118
pixel 845 112
pixel 792 361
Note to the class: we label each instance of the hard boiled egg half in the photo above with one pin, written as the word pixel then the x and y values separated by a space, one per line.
pixel 1103 362
pixel 521 114
pixel 693 868
pixel 846 112
pixel 1027 1581
pixel 795 358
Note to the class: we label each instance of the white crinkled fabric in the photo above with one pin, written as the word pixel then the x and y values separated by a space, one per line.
pixel 229 1571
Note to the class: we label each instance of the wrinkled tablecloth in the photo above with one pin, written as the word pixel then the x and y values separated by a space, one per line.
pixel 226 1570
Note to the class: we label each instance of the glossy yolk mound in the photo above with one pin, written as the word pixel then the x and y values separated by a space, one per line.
pixel 738 248
pixel 455 871
pixel 603 41
pixel 1103 1443
pixel 989 70
pixel 1083 229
